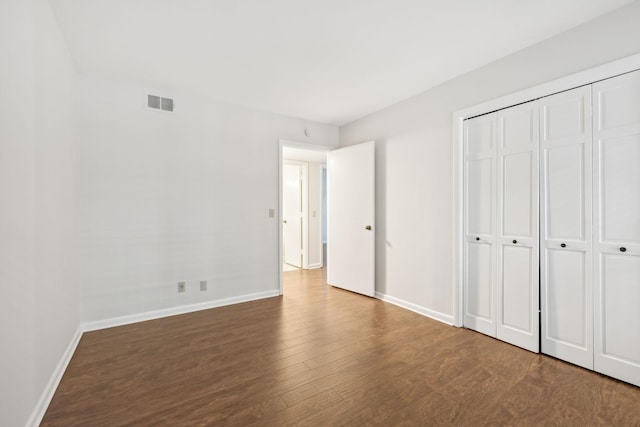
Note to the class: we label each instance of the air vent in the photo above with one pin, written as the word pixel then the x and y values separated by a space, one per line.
pixel 159 103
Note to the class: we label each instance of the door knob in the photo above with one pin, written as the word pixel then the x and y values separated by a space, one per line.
pixel 563 245
pixel 284 221
pixel 623 249
pixel 477 238
pixel 515 241
pixel 368 227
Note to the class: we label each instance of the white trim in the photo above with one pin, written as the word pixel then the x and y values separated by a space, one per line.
pixel 572 81
pixel 458 231
pixel 306 145
pixel 279 218
pixel 323 208
pixel 173 311
pixel 315 265
pixel 47 394
pixel 435 315
pixel 305 214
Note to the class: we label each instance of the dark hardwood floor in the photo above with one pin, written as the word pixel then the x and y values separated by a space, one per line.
pixel 323 356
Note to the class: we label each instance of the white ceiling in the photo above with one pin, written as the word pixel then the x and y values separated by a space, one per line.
pixel 330 61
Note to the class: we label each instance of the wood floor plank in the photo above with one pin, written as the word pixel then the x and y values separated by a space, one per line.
pixel 319 355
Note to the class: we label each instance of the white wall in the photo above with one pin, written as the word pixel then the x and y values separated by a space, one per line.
pixel 414 208
pixel 39 297
pixel 176 197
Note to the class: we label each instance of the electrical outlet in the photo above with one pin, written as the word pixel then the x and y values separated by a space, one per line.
pixel 203 285
pixel 182 286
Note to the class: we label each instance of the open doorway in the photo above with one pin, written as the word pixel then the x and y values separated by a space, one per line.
pixel 302 207
pixel 350 213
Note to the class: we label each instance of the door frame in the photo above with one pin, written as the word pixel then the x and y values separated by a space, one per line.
pixel 305 146
pixel 562 84
pixel 323 213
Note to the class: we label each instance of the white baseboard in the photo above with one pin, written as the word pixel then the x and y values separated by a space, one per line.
pixel 45 399
pixel 314 266
pixel 436 315
pixel 173 311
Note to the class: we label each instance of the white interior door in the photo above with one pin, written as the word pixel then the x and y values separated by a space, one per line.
pixel 350 218
pixel 292 214
pixel 517 304
pixel 566 285
pixel 617 220
pixel 480 223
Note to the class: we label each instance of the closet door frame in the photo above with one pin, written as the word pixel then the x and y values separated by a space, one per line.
pixel 582 78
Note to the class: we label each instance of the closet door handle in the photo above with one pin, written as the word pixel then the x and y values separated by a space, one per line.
pixel 477 238
pixel 623 249
pixel 563 245
pixel 515 241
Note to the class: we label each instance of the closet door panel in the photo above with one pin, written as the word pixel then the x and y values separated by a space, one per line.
pixel 517 240
pixel 480 135
pixel 617 102
pixel 479 220
pixel 617 218
pixel 517 289
pixel 617 328
pixel 480 288
pixel 620 273
pixel 565 175
pixel 564 114
pixel 518 182
pixel 565 262
pixel 480 196
pixel 620 181
pixel 566 310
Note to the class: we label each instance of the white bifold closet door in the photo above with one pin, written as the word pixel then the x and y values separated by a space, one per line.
pixel 480 142
pixel 617 227
pixel 565 205
pixel 518 293
pixel 501 225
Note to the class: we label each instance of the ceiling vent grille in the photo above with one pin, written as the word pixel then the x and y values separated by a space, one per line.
pixel 159 103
